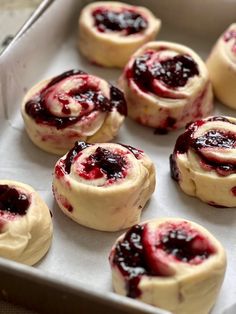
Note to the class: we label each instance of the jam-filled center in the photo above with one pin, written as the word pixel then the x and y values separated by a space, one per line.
pixel 172 72
pixel 216 138
pixel 12 201
pixel 184 246
pixel 212 139
pixel 125 20
pixel 134 260
pixel 104 162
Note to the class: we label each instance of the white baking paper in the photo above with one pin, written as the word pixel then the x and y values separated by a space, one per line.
pixel 79 254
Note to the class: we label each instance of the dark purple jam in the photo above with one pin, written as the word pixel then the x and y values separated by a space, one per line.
pixel 180 244
pixel 173 72
pixel 37 107
pixel 135 255
pixel 135 151
pixel 125 20
pixel 130 259
pixel 13 201
pixel 215 138
pixel 174 171
pixel 79 146
pixel 211 139
pixel 105 162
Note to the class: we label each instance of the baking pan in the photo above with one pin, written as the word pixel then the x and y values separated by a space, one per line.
pixel 74 276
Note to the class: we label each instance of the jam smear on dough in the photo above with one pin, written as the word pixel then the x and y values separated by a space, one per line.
pixel 173 72
pixel 130 256
pixel 213 139
pixel 38 109
pixel 13 201
pixel 104 162
pixel 126 20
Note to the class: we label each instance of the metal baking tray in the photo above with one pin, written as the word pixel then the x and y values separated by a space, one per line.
pixel 74 277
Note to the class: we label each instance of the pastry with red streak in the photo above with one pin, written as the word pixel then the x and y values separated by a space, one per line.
pixel 171 263
pixel 25 223
pixel 109 32
pixel 204 163
pixel 72 106
pixel 103 186
pixel 166 86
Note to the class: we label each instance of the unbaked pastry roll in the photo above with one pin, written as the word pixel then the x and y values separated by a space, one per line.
pixel 166 85
pixel 221 64
pixel 109 32
pixel 25 223
pixel 72 106
pixel 104 186
pixel 170 263
pixel 204 161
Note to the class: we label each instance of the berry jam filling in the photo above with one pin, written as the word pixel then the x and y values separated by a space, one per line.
pixel 13 201
pixel 79 146
pixel 130 259
pixel 187 247
pixel 134 260
pixel 173 72
pixel 125 20
pixel 103 162
pixel 212 139
pixel 38 108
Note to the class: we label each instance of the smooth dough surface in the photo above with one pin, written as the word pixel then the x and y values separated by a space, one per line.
pixel 221 64
pixel 112 49
pixel 26 238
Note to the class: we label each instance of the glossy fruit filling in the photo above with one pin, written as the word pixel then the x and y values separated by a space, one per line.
pixel 173 72
pixel 213 139
pixel 184 244
pixel 103 162
pixel 137 253
pixel 128 21
pixel 13 201
pixel 38 107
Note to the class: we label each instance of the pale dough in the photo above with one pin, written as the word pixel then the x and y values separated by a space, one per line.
pixel 26 238
pixel 182 105
pixel 101 205
pixel 221 64
pixel 112 49
pixel 97 126
pixel 204 182
pixel 188 288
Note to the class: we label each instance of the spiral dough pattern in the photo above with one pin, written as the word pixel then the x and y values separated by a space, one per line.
pixel 166 86
pixel 104 186
pixel 204 162
pixel 72 106
pixel 110 32
pixel 170 263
